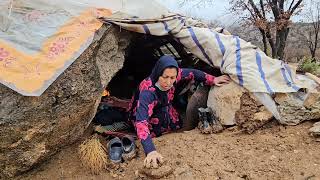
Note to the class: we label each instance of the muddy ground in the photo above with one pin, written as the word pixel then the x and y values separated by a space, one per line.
pixel 274 152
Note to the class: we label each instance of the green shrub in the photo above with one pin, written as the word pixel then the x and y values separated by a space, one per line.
pixel 310 65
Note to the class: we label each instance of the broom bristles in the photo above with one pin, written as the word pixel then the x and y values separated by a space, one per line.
pixel 93 155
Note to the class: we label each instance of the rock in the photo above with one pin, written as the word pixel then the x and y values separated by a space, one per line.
pixel 158 173
pixel 281 98
pixel 316 124
pixel 311 99
pixel 34 128
pixel 233 104
pixel 315 130
pixel 225 101
pixel 295 108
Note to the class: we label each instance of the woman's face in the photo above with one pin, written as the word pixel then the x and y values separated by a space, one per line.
pixel 167 78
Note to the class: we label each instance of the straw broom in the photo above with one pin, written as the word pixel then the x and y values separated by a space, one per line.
pixel 93 155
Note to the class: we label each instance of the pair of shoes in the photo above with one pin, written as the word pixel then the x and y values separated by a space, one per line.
pixel 208 123
pixel 124 148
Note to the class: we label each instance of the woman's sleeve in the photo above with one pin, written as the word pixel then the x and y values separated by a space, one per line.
pixel 145 106
pixel 197 75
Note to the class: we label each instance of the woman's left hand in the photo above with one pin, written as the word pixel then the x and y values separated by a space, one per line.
pixel 221 80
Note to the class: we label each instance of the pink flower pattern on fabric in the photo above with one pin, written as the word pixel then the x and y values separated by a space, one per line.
pixel 59 47
pixel 174 115
pixel 190 76
pixel 150 107
pixel 209 79
pixel 152 89
pixel 8 61
pixel 142 129
pixel 154 121
pixel 179 75
pixel 145 84
pixel 171 94
pixel 3 54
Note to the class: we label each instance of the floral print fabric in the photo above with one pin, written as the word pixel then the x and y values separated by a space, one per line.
pixel 152 111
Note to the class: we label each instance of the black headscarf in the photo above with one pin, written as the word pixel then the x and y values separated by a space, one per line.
pixel 163 63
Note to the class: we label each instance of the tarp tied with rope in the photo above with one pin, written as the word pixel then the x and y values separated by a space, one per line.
pixel 43 39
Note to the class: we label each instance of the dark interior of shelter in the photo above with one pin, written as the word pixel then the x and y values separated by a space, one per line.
pixel 141 55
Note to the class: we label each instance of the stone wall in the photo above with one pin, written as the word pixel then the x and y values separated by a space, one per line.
pixel 34 128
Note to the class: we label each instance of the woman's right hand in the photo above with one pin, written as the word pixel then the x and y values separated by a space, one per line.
pixel 221 80
pixel 152 159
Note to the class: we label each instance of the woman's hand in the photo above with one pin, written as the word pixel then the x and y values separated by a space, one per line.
pixel 152 159
pixel 221 80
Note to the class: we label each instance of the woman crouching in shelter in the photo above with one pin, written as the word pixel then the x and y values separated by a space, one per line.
pixel 151 108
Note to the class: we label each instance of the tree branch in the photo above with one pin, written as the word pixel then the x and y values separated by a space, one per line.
pixel 262 9
pixel 274 9
pixel 250 11
pixel 291 4
pixel 295 7
pixel 256 10
pixel 281 4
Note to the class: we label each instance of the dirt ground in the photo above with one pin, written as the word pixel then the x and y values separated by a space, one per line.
pixel 274 152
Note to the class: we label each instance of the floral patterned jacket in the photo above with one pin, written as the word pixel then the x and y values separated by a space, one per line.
pixel 151 109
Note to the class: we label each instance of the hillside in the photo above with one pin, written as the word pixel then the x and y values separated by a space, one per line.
pixel 296 48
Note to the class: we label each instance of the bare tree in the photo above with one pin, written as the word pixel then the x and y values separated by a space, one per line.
pixel 313 16
pixel 271 17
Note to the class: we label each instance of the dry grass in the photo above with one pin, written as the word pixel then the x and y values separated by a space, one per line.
pixel 93 155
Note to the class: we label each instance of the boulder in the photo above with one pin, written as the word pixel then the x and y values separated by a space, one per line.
pixel 34 128
pixel 225 101
pixel 315 129
pixel 295 108
pixel 234 105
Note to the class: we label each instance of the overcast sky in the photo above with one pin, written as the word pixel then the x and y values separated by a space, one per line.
pixel 218 10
